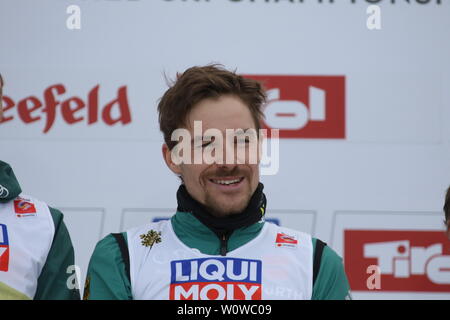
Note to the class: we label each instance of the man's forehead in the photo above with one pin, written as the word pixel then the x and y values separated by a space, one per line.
pixel 197 135
pixel 233 118
pixel 200 126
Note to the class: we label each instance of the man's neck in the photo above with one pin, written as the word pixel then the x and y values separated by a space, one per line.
pixel 226 224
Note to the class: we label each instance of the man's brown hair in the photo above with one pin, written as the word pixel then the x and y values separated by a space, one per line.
pixel 207 82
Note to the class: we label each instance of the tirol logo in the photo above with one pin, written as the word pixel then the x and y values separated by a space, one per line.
pixel 304 106
pixel 216 279
pixel 23 207
pixel 4 248
pixel 407 260
pixel 73 109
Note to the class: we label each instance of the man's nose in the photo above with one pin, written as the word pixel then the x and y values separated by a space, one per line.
pixel 228 168
pixel 234 153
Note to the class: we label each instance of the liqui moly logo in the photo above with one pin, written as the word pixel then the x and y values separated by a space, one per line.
pixel 406 260
pixel 304 106
pixel 216 279
pixel 4 248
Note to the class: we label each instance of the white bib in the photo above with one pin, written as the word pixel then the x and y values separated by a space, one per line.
pixel 277 264
pixel 26 235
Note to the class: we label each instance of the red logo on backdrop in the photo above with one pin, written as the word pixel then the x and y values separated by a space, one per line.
pixel 407 260
pixel 305 106
pixel 285 240
pixel 73 109
pixel 23 207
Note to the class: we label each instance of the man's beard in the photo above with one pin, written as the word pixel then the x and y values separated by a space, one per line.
pixel 223 207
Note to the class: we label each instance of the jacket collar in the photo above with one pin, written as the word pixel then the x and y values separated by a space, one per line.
pixel 253 213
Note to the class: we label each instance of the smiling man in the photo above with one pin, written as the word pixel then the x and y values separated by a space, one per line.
pixel 217 245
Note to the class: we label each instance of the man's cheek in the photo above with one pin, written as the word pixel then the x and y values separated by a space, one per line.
pixel 189 176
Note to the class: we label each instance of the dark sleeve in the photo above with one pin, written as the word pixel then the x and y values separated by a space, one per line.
pixel 107 277
pixel 53 281
pixel 331 282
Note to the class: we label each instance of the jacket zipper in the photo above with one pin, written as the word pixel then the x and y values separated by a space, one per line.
pixel 224 244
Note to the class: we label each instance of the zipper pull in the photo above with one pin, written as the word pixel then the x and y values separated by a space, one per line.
pixel 223 246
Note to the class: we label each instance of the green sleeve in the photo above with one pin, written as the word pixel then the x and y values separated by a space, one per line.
pixel 106 277
pixel 331 282
pixel 53 280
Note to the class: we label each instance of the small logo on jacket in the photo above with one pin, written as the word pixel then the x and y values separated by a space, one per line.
pixel 4 192
pixel 4 248
pixel 285 240
pixel 24 208
pixel 150 238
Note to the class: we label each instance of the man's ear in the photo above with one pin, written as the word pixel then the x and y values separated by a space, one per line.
pixel 167 155
pixel 262 136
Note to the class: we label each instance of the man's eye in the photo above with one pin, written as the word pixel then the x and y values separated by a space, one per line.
pixel 208 141
pixel 240 140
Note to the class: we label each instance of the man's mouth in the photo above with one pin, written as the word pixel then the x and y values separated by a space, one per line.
pixel 227 181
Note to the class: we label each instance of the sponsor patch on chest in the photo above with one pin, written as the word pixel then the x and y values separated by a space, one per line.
pixel 216 279
pixel 285 240
pixel 24 208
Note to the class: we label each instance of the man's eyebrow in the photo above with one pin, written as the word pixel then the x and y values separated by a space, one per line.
pixel 200 138
pixel 241 131
pixel 244 131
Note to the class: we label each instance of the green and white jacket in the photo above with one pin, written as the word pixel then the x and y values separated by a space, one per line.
pixel 35 246
pixel 180 259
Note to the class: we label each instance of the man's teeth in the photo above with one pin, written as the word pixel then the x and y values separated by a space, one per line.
pixel 226 182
